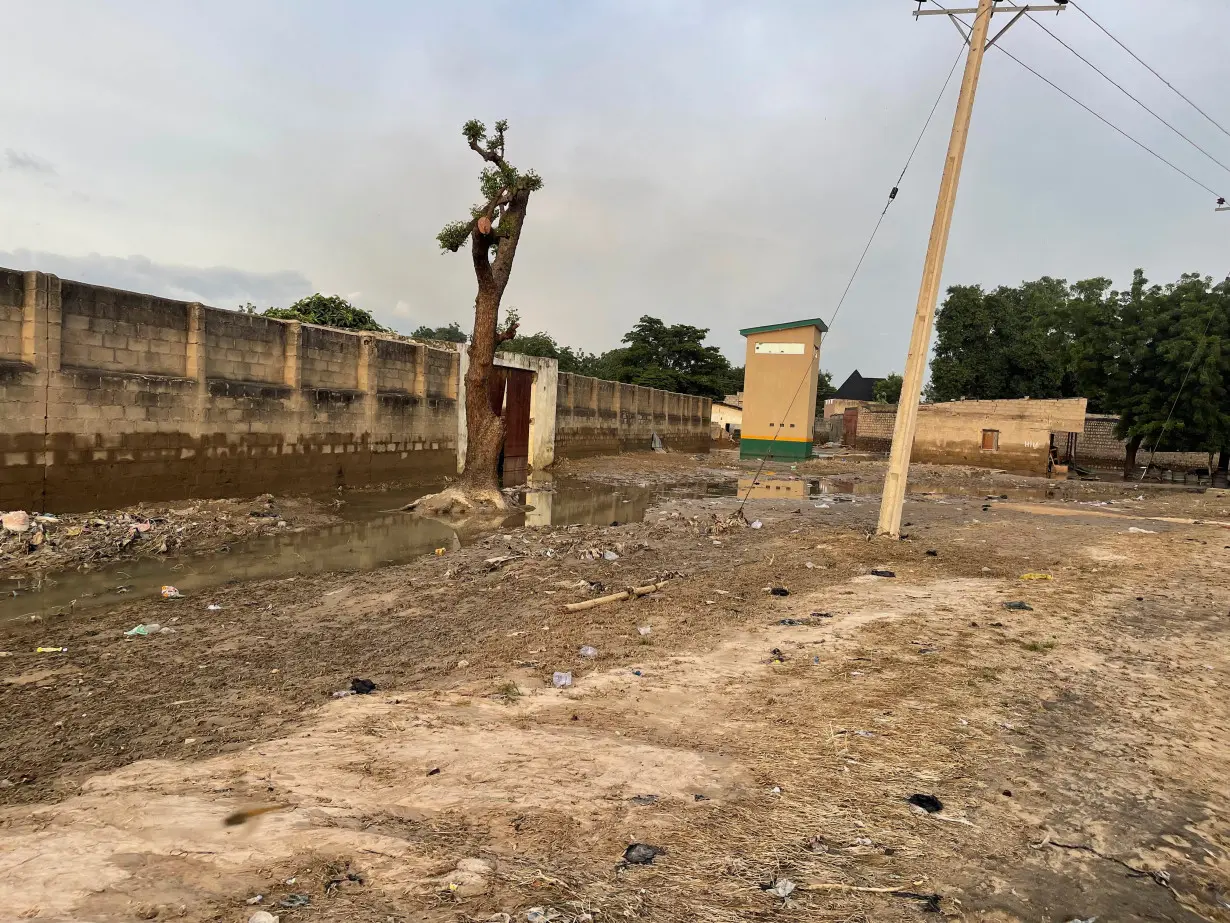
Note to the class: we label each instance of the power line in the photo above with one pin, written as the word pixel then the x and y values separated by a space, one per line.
pixel 892 195
pixel 1219 126
pixel 1121 89
pixel 1092 112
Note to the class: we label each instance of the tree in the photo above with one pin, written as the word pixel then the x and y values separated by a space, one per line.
pixel 888 389
pixel 670 357
pixel 824 389
pixel 493 231
pixel 450 334
pixel 328 311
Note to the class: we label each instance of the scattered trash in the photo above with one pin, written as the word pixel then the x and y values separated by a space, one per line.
pixel 142 630
pixel 169 592
pixel 51 650
pixel 362 686
pixel 782 888
pixel 757 524
pixel 1019 606
pixel 699 797
pixel 1142 531
pixel 610 556
pixel 928 803
pixel 539 915
pixel 1090 920
pixel 637 673
pixel 462 664
pixel 342 693
pixel 434 771
pixel 213 607
pixel 932 553
pixel 642 854
pixel 588 652
pixel 644 631
pixel 791 622
pixel 262 916
pixel 817 844
pixel 883 573
pixel 779 591
pixel 254 900
pixel 439 552
pixel 776 656
pixel 16 521
pixel 644 799
pixel 561 680
pixel 295 900
pixel 821 615
pixel 1036 577
pixel 809 565
pixel 821 506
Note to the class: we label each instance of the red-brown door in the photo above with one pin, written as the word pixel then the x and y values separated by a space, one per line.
pixel 517 426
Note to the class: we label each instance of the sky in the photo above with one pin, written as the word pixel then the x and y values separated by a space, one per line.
pixel 711 162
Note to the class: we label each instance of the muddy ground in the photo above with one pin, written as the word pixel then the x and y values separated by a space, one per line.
pixel 34 543
pixel 1078 747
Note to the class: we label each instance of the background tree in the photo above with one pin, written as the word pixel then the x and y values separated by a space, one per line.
pixel 545 345
pixel 450 334
pixel 888 389
pixel 670 357
pixel 1126 352
pixel 493 232
pixel 824 389
pixel 328 311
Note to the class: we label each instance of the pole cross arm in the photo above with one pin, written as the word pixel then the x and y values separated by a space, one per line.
pixel 1028 8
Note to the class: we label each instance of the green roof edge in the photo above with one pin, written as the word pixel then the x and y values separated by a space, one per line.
pixel 809 322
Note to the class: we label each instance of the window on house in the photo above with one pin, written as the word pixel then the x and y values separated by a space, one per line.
pixel 990 440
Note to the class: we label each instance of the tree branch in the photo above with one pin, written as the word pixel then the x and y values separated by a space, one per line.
pixel 510 225
pixel 509 332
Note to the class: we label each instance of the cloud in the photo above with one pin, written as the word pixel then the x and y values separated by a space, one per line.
pixel 220 286
pixel 31 163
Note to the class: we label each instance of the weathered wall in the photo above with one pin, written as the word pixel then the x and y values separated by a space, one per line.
pixel 594 417
pixel 1098 447
pixel 114 397
pixel 951 433
pixel 542 406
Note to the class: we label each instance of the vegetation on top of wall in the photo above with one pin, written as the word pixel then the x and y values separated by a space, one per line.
pixel 328 311
pixel 449 334
pixel 888 389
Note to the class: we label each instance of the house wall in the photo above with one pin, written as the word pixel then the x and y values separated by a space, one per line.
pixel 779 394
pixel 596 417
pixel 1100 448
pixel 951 433
pixel 110 397
pixel 724 413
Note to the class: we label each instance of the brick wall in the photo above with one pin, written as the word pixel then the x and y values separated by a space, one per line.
pixel 110 397
pixel 596 417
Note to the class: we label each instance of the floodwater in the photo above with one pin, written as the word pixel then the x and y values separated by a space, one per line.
pixel 374 533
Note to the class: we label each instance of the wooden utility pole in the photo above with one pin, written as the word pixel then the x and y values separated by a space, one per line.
pixel 928 293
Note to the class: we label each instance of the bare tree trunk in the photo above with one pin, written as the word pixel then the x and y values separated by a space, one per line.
pixel 1223 460
pixel 1129 463
pixel 485 438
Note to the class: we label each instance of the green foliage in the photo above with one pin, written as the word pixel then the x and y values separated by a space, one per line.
pixel 672 358
pixel 888 389
pixel 452 333
pixel 498 183
pixel 824 389
pixel 328 311
pixel 1126 352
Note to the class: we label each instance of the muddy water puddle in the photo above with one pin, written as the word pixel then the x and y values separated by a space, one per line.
pixel 374 533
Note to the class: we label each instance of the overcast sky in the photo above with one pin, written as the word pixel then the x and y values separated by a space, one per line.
pixel 712 162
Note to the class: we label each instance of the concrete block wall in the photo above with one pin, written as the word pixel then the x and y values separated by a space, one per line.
pixel 1100 448
pixel 596 417
pixel 111 397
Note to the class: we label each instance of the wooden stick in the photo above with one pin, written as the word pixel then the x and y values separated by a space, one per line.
pixel 615 597
pixel 822 886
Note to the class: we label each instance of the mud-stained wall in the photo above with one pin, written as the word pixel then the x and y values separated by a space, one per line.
pixel 953 432
pixel 594 417
pixel 111 397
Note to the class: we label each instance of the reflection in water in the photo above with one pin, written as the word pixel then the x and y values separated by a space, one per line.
pixel 768 488
pixel 375 534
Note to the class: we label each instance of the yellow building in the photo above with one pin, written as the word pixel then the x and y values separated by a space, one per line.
pixel 779 389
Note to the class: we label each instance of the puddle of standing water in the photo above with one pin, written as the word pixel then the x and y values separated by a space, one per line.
pixel 374 533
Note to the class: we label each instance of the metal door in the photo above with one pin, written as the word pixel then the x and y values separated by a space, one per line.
pixel 517 426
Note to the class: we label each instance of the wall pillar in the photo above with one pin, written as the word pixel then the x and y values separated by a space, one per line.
pixel 367 384
pixel 194 368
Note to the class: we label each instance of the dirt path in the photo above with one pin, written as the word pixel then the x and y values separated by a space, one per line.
pixel 1078 747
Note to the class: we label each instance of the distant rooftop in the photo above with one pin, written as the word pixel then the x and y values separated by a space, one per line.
pixel 768 328
pixel 857 388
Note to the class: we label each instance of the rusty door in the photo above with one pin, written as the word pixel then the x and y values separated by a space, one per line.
pixel 517 426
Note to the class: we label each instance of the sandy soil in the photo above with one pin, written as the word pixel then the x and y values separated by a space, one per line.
pixel 57 542
pixel 1078 747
